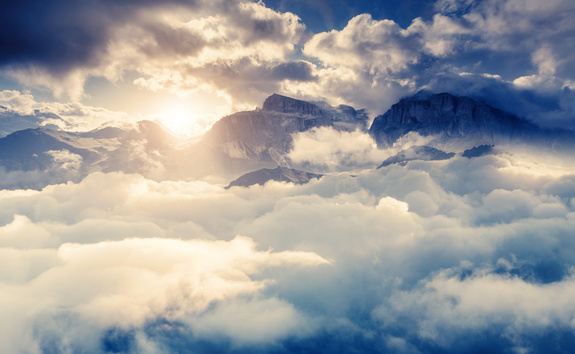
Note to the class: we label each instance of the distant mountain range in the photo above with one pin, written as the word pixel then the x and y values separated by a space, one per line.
pixel 10 122
pixel 60 156
pixel 259 140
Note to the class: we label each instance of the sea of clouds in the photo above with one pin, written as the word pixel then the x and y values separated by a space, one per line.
pixel 462 255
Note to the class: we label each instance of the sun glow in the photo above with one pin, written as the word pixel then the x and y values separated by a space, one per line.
pixel 182 120
pixel 190 116
pixel 178 119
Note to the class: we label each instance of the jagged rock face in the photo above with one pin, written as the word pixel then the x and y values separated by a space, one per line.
pixel 451 117
pixel 249 135
pixel 283 104
pixel 263 134
pixel 349 119
pixel 280 174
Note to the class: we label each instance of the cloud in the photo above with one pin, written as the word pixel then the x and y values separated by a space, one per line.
pixel 253 321
pixel 378 46
pixel 415 252
pixel 66 116
pixel 332 150
pixel 450 307
pixel 380 60
pixel 124 284
pixel 326 149
pixel 244 59
pixel 66 159
pixel 157 42
pixel 242 51
pixel 372 63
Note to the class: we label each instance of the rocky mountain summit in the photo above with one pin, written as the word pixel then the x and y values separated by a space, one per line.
pixel 283 104
pixel 267 133
pixel 239 143
pixel 451 119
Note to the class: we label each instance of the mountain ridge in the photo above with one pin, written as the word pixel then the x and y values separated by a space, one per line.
pixel 454 118
pixel 262 139
pixel 250 134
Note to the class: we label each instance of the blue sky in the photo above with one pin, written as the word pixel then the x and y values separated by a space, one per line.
pixel 321 15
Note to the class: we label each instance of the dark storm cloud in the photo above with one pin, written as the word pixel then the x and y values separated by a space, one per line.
pixel 63 33
pixel 59 45
pixel 244 79
pixel 170 42
pixel 293 70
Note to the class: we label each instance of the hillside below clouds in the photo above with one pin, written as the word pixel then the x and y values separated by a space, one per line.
pixel 256 140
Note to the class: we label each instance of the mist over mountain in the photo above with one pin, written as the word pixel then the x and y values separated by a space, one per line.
pixel 60 156
pixel 264 133
pixel 262 139
pixel 10 122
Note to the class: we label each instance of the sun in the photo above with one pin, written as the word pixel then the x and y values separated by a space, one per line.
pixel 189 116
pixel 179 119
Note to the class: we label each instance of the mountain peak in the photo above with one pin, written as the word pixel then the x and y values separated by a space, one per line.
pixel 450 118
pixel 284 104
pixel 424 95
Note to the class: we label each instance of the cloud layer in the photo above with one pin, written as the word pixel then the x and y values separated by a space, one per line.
pixel 401 259
pixel 447 256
